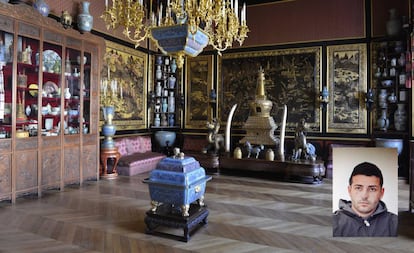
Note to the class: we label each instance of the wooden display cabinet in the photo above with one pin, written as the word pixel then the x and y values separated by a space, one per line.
pixel 49 103
pixel 391 82
pixel 166 91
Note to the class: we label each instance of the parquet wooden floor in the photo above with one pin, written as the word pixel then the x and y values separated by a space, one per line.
pixel 246 215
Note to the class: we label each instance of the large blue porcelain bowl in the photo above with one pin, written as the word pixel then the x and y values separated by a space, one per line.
pixel 165 137
pixel 390 143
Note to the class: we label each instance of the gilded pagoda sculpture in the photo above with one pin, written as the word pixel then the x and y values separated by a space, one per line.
pixel 260 126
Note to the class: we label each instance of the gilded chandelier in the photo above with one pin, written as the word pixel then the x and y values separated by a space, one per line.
pixel 181 27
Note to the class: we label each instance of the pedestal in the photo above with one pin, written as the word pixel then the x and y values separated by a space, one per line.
pixel 109 153
pixel 167 216
pixel 302 171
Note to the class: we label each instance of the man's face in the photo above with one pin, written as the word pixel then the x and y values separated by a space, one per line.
pixel 365 193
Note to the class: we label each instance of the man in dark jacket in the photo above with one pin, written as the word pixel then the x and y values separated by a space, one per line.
pixel 365 214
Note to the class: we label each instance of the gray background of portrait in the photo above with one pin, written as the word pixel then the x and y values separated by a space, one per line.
pixel 344 161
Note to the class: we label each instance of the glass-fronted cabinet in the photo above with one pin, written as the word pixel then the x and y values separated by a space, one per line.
pixel 76 92
pixel 51 73
pixel 72 91
pixel 6 86
pixel 392 84
pixel 27 87
pixel 49 103
pixel 86 88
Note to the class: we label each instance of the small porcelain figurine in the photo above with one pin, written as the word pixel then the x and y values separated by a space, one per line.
pixel 67 93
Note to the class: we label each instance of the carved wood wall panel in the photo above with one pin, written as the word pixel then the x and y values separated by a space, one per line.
pixel 50 162
pixel 6 24
pixel 29 30
pixel 26 144
pixel 5 175
pixel 72 140
pixel 74 43
pixel 71 169
pixel 26 170
pixel 89 162
pixel 53 37
pixel 51 142
pixel 5 146
pixel 89 139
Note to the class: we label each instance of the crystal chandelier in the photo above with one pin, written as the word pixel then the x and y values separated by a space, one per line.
pixel 179 27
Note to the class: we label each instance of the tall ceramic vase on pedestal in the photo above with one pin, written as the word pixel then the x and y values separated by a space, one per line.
pixel 85 20
pixel 108 129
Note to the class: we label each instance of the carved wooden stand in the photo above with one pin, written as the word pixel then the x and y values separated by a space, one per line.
pixel 293 171
pixel 169 217
pixel 105 155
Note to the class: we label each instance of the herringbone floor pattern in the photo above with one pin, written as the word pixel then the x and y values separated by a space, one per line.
pixel 246 215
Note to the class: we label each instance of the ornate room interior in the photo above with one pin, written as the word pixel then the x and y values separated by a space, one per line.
pixel 96 97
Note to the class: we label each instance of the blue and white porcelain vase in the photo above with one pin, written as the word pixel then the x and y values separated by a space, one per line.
pixel 159 60
pixel 158 89
pixel 171 104
pixel 171 120
pixel 400 118
pixel 171 82
pixel 158 72
pixel 164 105
pixel 41 7
pixel 85 20
pixel 157 120
pixel 383 121
pixel 108 129
pixel 173 65
pixel 164 121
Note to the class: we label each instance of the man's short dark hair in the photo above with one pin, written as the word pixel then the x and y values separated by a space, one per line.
pixel 367 169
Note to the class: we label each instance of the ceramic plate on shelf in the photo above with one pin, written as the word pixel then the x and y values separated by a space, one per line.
pixel 50 88
pixel 33 88
pixel 50 58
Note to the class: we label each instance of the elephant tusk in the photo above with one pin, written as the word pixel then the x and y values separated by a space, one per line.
pixel 282 135
pixel 228 127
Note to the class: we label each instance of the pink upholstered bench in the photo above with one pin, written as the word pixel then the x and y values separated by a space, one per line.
pixel 136 155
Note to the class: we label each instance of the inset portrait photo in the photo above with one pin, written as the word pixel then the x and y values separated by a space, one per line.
pixel 365 192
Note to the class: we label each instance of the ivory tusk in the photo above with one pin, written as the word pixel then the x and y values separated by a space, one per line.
pixel 228 127
pixel 282 135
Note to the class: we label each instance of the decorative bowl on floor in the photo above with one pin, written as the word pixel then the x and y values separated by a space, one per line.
pixel 165 138
pixel 390 143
